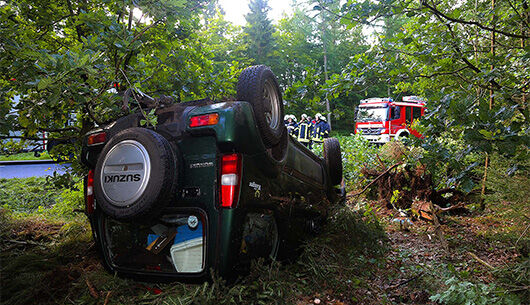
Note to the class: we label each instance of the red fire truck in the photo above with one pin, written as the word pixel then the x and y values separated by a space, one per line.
pixel 380 120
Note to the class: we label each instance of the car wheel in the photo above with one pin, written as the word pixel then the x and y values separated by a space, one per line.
pixel 258 86
pixel 261 236
pixel 136 175
pixel 333 159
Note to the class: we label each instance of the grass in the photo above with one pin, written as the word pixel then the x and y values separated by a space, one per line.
pixel 48 256
pixel 59 259
pixel 25 156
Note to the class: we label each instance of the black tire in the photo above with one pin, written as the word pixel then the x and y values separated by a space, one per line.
pixel 333 159
pixel 258 86
pixel 148 185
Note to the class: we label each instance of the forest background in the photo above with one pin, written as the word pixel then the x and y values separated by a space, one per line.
pixel 66 65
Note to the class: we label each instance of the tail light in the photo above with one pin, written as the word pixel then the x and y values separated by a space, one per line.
pixel 204 120
pixel 97 138
pixel 89 200
pixel 230 180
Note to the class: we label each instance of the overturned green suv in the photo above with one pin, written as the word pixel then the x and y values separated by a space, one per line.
pixel 211 187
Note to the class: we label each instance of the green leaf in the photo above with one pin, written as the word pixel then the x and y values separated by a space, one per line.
pixel 44 83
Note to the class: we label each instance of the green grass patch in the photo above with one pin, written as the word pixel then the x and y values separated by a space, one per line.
pixel 40 196
pixel 25 156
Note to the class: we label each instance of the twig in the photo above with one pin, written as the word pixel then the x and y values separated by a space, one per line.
pixel 526 229
pixel 91 289
pixel 438 228
pixel 107 298
pixel 373 181
pixel 380 161
pixel 406 281
pixel 473 255
pixel 28 242
pixel 454 207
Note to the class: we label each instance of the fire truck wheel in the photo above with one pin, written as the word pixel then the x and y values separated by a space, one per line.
pixel 136 175
pixel 258 86
pixel 333 159
pixel 402 135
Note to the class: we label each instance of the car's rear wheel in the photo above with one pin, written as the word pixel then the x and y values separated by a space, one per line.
pixel 333 159
pixel 258 86
pixel 136 175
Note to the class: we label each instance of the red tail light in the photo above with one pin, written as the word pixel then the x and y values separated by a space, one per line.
pixel 230 180
pixel 97 138
pixel 204 120
pixel 89 200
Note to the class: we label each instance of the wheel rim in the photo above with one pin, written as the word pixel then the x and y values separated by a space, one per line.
pixel 272 102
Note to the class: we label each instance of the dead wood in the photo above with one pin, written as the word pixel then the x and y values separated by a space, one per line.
pixel 438 230
pixel 478 259
pixel 406 281
pixel 91 289
pixel 375 180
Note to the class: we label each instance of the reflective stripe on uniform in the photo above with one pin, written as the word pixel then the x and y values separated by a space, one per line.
pixel 318 136
pixel 303 133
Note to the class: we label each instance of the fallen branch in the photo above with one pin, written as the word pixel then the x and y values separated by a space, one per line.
pixel 27 242
pixel 454 207
pixel 91 289
pixel 406 281
pixel 478 259
pixel 373 181
pixel 438 229
pixel 524 232
pixel 107 298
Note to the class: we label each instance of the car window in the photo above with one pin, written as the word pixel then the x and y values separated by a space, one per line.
pixel 396 112
pixel 416 112
pixel 408 115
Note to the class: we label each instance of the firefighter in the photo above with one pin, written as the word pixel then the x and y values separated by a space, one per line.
pixel 321 129
pixel 303 131
pixel 291 125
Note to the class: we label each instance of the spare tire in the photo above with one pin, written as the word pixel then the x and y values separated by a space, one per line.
pixel 258 86
pixel 333 159
pixel 136 175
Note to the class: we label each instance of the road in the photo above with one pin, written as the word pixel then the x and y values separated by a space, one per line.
pixel 21 169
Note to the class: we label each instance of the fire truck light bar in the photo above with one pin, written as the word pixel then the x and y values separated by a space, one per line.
pixel 377 100
pixel 413 99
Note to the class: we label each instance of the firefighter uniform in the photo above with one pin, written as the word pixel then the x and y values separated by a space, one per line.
pixel 303 133
pixel 321 130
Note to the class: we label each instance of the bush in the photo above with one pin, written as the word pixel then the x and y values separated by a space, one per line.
pixel 26 195
pixel 464 292
pixel 37 195
pixel 357 153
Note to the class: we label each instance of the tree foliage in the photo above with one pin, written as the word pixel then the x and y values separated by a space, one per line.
pixel 70 62
pixel 259 32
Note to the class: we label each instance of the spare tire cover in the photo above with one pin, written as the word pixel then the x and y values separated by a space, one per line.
pixel 136 174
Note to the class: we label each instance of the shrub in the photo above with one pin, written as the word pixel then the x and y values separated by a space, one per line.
pixel 464 292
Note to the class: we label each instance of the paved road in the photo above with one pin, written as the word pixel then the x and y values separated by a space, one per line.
pixel 24 170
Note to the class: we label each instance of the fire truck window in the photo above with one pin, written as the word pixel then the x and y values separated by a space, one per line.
pixel 416 112
pixel 396 112
pixel 408 115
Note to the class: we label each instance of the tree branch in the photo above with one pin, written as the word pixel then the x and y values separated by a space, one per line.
pixel 460 21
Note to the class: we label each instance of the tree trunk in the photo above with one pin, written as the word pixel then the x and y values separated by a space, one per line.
pixel 492 100
pixel 328 114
